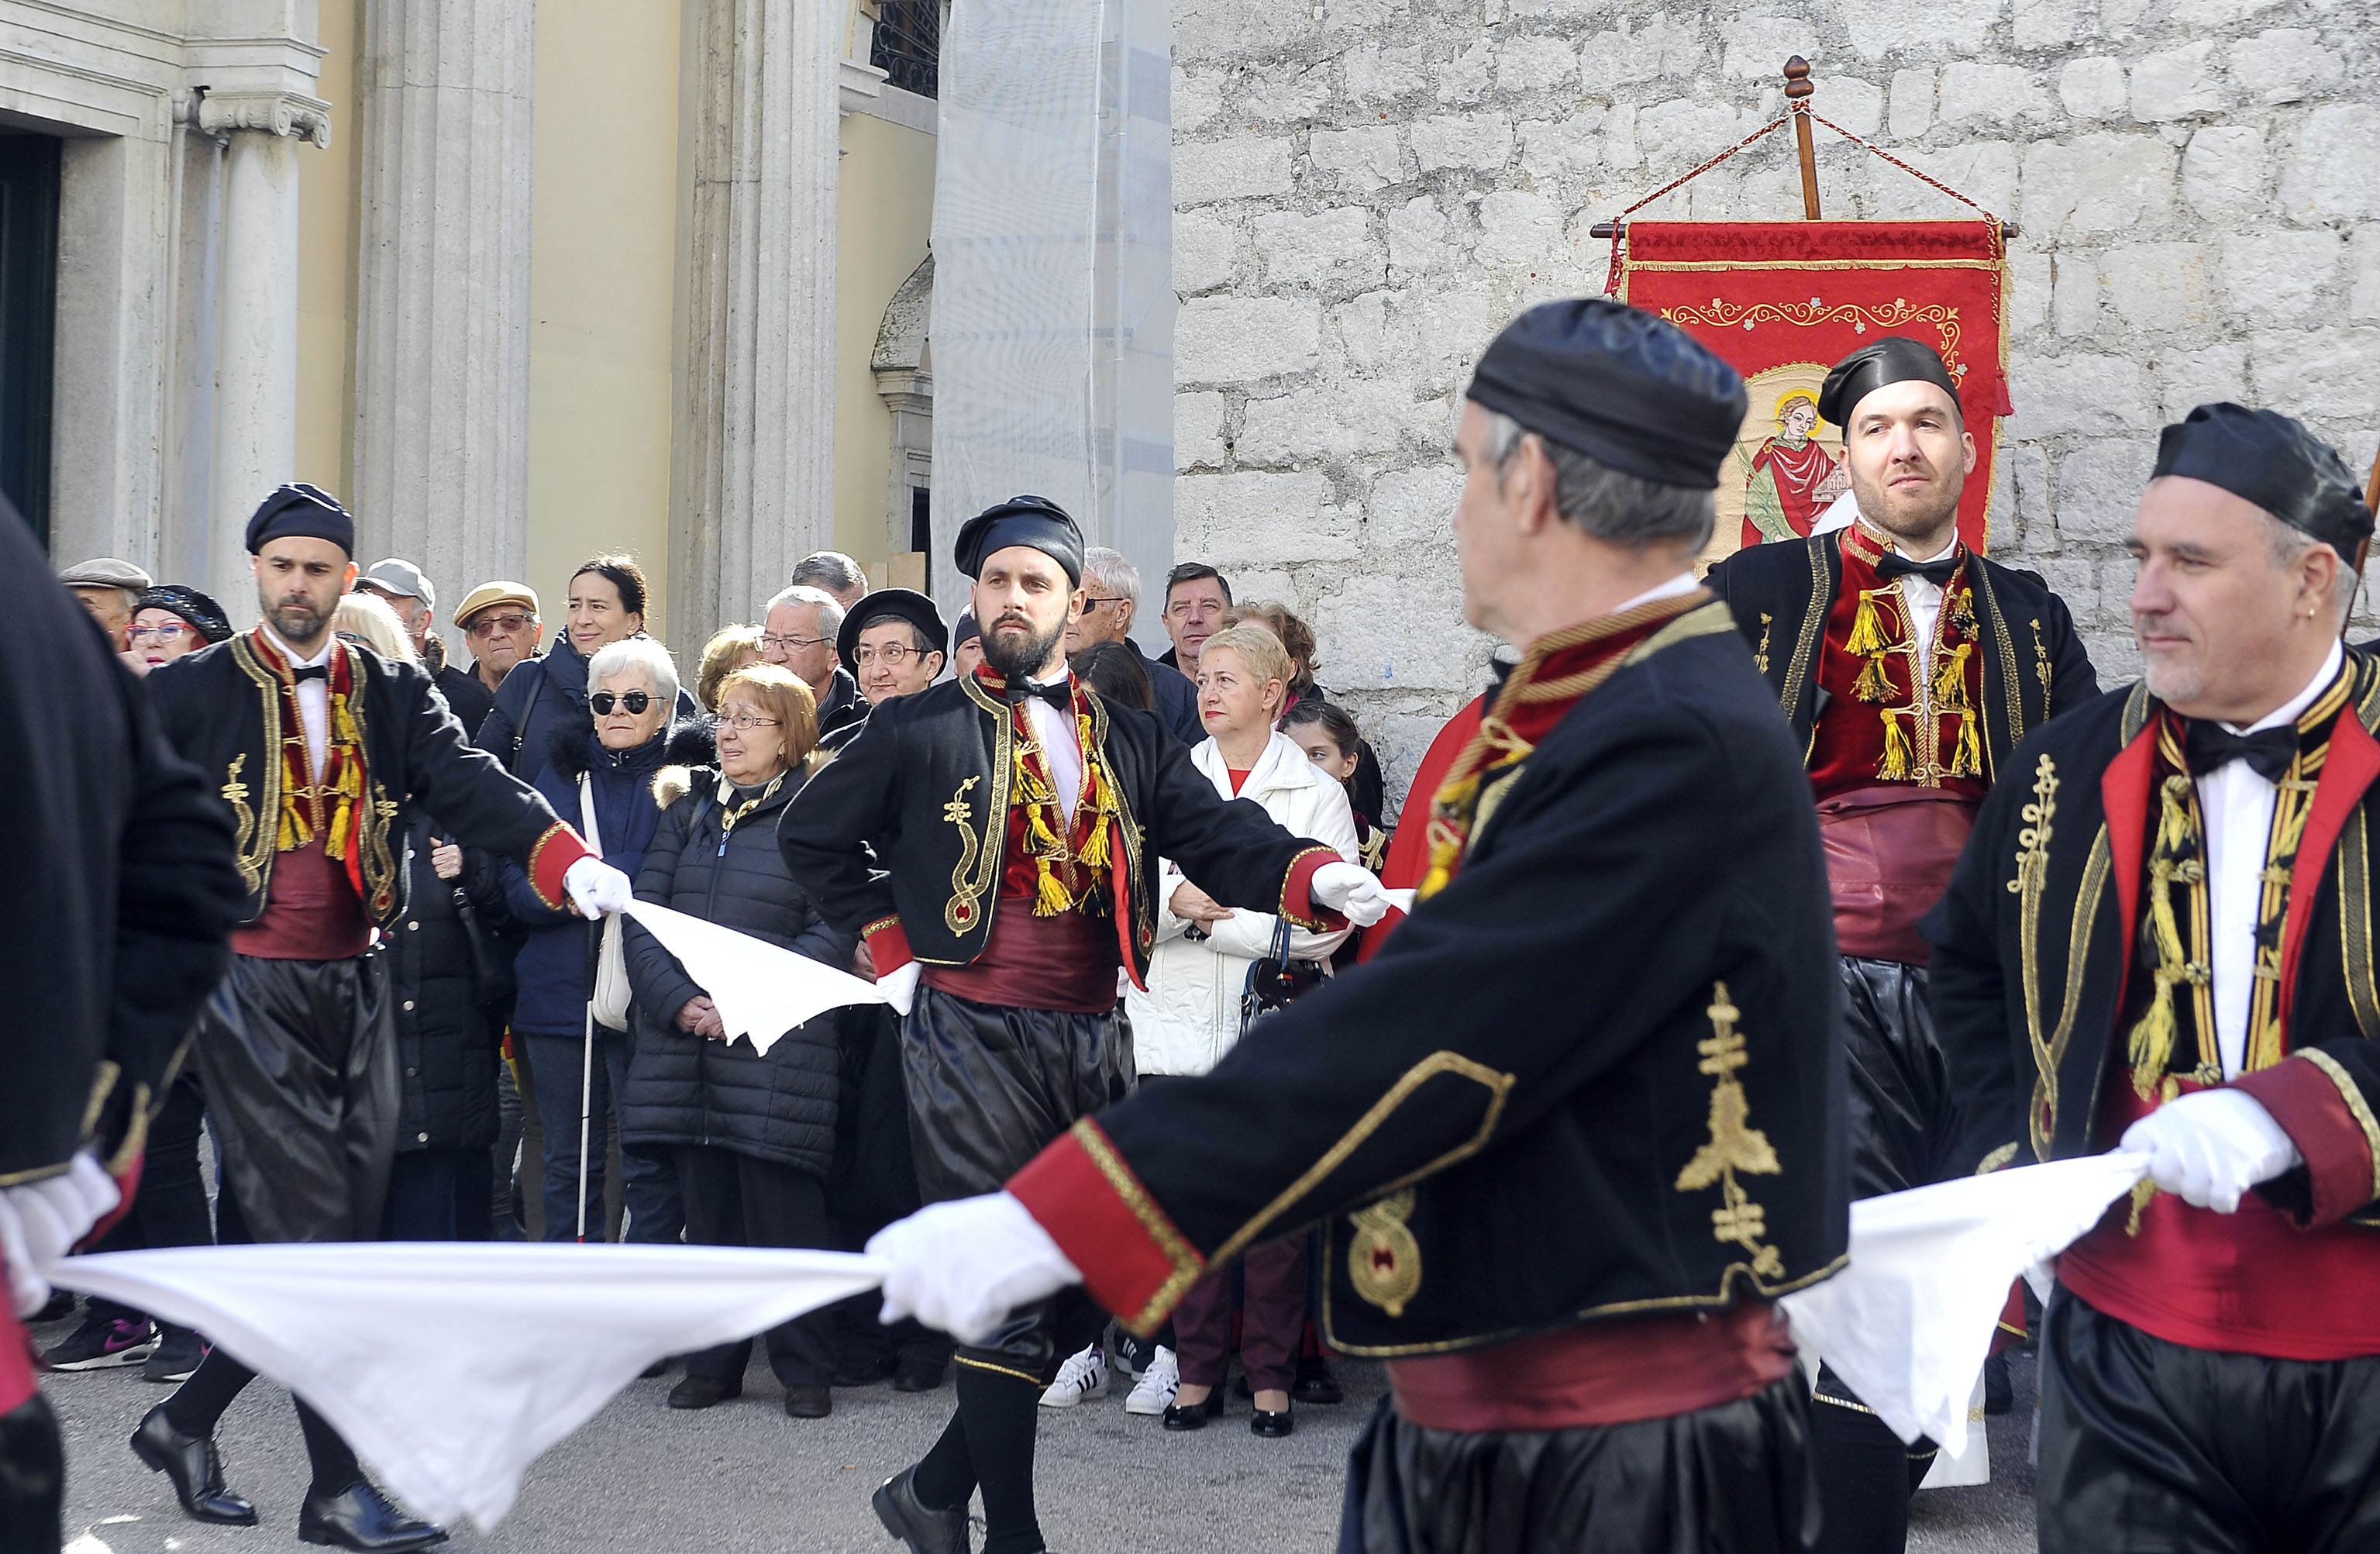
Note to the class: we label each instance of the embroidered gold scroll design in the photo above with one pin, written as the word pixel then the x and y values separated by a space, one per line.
pixel 1734 1146
pixel 959 916
pixel 1899 313
pixel 1384 1259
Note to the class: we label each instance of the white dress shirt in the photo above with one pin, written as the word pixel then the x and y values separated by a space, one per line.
pixel 1922 599
pixel 2236 805
pixel 314 699
pixel 1683 583
pixel 1059 746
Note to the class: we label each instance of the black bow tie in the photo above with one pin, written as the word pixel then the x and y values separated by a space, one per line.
pixel 1892 563
pixel 310 671
pixel 2208 747
pixel 1058 694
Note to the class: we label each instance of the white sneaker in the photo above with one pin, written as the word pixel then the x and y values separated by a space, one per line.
pixel 1158 1381
pixel 1082 1376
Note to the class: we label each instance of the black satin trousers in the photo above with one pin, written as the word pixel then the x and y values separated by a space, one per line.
pixel 2155 1448
pixel 300 1063
pixel 1733 1479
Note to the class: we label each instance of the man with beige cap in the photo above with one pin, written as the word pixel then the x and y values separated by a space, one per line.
pixel 499 620
pixel 107 586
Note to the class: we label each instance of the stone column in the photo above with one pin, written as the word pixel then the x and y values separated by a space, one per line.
pixel 256 360
pixel 752 474
pixel 441 350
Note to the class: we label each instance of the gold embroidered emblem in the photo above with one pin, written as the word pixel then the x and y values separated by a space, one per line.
pixel 1384 1260
pixel 235 793
pixel 1760 654
pixel 960 913
pixel 2041 666
pixel 1733 1146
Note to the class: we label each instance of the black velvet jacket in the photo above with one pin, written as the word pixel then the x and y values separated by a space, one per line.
pixel 222 710
pixel 2034 668
pixel 923 791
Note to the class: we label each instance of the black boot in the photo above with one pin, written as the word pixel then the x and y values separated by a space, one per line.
pixel 33 1478
pixel 360 1517
pixel 925 1530
pixel 189 1461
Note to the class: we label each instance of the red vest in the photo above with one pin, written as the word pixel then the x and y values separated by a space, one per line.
pixel 311 912
pixel 1846 750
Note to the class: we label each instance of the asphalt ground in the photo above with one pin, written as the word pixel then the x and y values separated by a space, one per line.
pixel 642 1479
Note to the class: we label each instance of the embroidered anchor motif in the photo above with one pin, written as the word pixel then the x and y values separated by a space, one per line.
pixel 1733 1146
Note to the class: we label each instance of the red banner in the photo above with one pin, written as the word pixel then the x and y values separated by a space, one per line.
pixel 1784 301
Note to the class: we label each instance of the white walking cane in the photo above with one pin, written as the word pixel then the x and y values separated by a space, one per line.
pixel 587 1074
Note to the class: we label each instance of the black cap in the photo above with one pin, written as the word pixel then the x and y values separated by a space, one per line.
pixel 1893 359
pixel 1626 387
pixel 886 604
pixel 305 511
pixel 2273 461
pixel 1021 520
pixel 204 615
pixel 967 630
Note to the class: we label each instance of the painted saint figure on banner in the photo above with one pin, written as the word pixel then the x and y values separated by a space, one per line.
pixel 1792 478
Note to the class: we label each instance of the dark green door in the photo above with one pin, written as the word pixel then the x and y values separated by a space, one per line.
pixel 29 289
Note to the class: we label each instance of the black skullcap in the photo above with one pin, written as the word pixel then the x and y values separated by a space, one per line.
pixel 302 510
pixel 1022 520
pixel 1626 387
pixel 1893 359
pixel 890 604
pixel 967 630
pixel 204 615
pixel 2274 462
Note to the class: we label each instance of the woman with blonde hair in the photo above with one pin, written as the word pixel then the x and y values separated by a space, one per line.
pixel 730 649
pixel 366 620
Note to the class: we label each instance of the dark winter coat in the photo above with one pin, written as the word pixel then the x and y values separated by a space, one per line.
pixel 446 1044
pixel 689 1089
pixel 538 700
pixel 552 971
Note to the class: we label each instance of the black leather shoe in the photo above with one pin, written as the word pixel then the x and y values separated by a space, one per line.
pixel 863 1367
pixel 2000 1391
pixel 1271 1425
pixel 1194 1416
pixel 809 1403
pixel 360 1517
pixel 925 1530
pixel 1314 1383
pixel 703 1391
pixel 195 1471
pixel 921 1375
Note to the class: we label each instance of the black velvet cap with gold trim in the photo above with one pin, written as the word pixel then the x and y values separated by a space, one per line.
pixel 1623 386
pixel 1021 520
pixel 2272 460
pixel 1896 359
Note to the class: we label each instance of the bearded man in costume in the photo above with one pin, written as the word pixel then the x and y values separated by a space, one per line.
pixel 1562 1191
pixel 996 837
pixel 1910 669
pixel 2159 939
pixel 321 752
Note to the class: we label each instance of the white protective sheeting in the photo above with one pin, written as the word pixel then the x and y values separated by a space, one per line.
pixel 413 1349
pixel 1909 1322
pixel 760 991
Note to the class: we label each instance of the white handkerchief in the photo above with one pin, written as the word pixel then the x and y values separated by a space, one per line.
pixel 1909 1322
pixel 1402 900
pixel 761 991
pixel 414 1350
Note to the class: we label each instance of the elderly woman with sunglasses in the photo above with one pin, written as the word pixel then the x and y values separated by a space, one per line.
pixel 601 768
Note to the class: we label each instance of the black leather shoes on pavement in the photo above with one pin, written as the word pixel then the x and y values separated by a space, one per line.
pixel 906 1517
pixel 1271 1425
pixel 809 1403
pixel 1194 1416
pixel 360 1517
pixel 196 1472
pixel 703 1391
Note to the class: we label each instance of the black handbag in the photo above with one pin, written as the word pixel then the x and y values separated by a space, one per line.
pixel 1274 982
pixel 491 958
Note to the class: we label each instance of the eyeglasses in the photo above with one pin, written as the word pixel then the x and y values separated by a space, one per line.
pixel 1090 604
pixel 635 701
pixel 164 636
pixel 782 643
pixel 746 721
pixel 891 655
pixel 488 625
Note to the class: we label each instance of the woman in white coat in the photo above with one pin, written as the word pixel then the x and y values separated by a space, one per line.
pixel 1190 1015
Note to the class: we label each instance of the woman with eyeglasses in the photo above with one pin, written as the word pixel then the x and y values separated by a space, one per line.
pixel 602 768
pixel 752 1134
pixel 543 694
pixel 169 621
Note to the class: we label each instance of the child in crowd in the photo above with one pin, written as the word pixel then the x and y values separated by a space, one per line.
pixel 1331 740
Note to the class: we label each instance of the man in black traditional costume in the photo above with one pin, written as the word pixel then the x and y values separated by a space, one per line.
pixel 1909 668
pixel 2160 940
pixel 320 751
pixel 996 837
pixel 1581 1121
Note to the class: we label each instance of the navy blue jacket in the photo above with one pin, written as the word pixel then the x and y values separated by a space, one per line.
pixel 540 697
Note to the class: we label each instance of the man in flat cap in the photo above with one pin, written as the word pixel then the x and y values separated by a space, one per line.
pixel 997 838
pixel 320 756
pixel 2159 939
pixel 1579 1122
pixel 107 588
pixel 1910 669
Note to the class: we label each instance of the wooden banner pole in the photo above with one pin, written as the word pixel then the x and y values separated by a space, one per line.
pixel 1797 97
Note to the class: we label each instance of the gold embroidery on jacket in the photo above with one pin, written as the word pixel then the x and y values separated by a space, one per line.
pixel 2355 922
pixel 2041 666
pixel 1733 1145
pixel 235 793
pixel 959 916
pixel 2032 878
pixel 1384 1260
pixel 1760 654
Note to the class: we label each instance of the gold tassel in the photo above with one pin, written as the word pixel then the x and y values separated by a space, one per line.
pixel 1968 762
pixel 2151 1046
pixel 1867 626
pixel 1896 748
pixel 1874 684
pixel 1095 853
pixel 2142 1192
pixel 1950 679
pixel 1050 896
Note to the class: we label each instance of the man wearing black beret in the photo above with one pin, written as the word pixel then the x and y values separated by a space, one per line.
pixel 1579 1124
pixel 2161 940
pixel 895 644
pixel 996 838
pixel 320 756
pixel 1909 668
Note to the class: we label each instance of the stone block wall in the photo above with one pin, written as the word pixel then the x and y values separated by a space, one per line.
pixel 1365 190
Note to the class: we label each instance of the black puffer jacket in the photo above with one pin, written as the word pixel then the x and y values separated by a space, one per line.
pixel 688 1089
pixel 446 1045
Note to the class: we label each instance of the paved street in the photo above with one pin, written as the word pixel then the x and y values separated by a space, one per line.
pixel 640 1479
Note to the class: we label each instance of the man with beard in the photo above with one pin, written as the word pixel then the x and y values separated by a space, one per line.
pixel 997 838
pixel 2159 941
pixel 1911 668
pixel 321 754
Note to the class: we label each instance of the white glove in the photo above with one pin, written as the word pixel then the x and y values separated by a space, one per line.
pixel 900 988
pixel 964 1266
pixel 1350 891
pixel 595 888
pixel 41 1221
pixel 2210 1146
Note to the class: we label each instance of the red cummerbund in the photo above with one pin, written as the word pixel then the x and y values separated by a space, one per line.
pixel 311 912
pixel 1066 963
pixel 1599 1373
pixel 1889 854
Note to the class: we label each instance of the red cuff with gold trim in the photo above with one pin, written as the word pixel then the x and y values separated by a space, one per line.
pixel 1134 1261
pixel 888 945
pixel 2308 1095
pixel 1297 902
pixel 548 861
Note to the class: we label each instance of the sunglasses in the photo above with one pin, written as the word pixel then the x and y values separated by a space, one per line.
pixel 635 701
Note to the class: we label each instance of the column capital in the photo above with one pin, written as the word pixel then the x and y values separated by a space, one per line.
pixel 274 112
